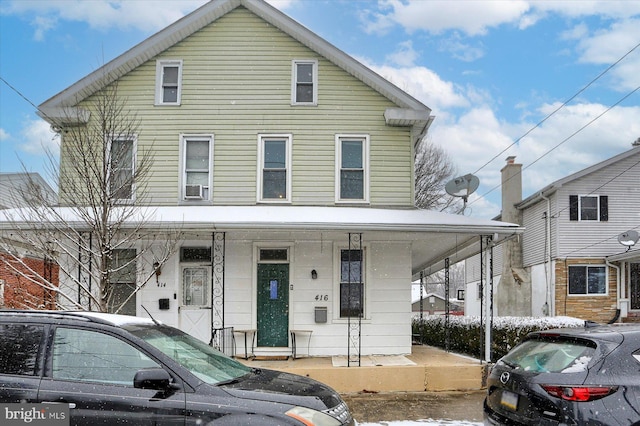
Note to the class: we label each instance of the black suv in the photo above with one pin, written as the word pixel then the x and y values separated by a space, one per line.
pixel 114 369
pixel 571 376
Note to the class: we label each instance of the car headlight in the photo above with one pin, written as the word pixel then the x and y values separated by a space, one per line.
pixel 312 417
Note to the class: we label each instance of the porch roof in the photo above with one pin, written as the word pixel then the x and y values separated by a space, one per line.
pixel 432 235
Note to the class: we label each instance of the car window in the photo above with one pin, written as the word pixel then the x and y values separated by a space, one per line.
pixel 551 356
pixel 19 347
pixel 92 356
pixel 208 364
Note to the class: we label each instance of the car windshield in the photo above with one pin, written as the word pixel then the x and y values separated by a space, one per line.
pixel 551 356
pixel 208 364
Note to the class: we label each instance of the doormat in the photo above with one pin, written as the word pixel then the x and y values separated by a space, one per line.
pixel 271 358
pixel 373 361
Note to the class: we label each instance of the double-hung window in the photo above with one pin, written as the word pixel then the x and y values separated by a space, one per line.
pixel 587 280
pixel 168 82
pixel 352 169
pixel 304 82
pixel 351 283
pixel 121 170
pixel 589 208
pixel 197 165
pixel 274 168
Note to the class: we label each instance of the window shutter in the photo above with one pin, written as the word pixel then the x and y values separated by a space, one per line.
pixel 604 208
pixel 573 207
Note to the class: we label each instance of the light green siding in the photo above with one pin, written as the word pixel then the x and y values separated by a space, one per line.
pixel 236 84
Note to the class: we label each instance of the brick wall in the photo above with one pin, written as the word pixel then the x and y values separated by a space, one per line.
pixel 598 308
pixel 18 289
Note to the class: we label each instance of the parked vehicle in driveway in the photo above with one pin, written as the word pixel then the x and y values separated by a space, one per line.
pixel 114 369
pixel 582 376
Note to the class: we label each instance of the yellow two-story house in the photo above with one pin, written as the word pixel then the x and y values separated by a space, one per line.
pixel 288 167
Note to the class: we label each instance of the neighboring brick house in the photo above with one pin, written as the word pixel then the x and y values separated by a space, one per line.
pixel 569 260
pixel 289 168
pixel 19 276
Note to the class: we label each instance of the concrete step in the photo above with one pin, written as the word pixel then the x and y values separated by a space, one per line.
pixel 430 369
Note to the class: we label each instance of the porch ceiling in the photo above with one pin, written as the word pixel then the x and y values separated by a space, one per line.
pixel 433 235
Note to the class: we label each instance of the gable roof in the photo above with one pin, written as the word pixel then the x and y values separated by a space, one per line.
pixel 15 186
pixel 553 187
pixel 410 111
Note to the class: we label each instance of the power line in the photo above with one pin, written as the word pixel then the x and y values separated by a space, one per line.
pixel 562 142
pixel 560 107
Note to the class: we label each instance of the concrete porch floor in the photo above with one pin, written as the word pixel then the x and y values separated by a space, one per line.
pixel 434 370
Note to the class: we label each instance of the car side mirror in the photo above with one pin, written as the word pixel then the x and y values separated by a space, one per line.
pixel 152 378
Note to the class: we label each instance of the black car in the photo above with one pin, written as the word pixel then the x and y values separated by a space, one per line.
pixel 572 376
pixel 116 369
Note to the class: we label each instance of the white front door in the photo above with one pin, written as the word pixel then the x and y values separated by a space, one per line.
pixel 195 302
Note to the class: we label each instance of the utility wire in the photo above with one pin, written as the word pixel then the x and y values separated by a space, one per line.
pixel 560 107
pixel 562 142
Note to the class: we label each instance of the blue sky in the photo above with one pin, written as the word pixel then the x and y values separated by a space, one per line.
pixel 489 70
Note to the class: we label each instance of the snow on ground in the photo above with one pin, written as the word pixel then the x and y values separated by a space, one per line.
pixel 427 422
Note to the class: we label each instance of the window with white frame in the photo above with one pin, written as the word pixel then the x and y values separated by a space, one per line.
pixel 304 82
pixel 195 275
pixel 197 167
pixel 589 208
pixel 168 82
pixel 121 171
pixel 351 283
pixel 587 279
pixel 274 168
pixel 352 174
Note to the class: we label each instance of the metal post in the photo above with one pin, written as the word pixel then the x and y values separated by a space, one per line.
pixel 354 328
pixel 447 331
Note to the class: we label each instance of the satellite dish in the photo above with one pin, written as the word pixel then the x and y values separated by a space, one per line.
pixel 462 186
pixel 628 239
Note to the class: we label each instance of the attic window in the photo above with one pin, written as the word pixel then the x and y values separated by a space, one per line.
pixel 168 82
pixel 304 82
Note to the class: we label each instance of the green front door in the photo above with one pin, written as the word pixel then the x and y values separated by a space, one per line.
pixel 273 305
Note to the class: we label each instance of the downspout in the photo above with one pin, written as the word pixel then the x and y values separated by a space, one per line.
pixel 617 268
pixel 547 272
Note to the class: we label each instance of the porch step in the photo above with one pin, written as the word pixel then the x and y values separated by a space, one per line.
pixel 271 357
pixel 431 370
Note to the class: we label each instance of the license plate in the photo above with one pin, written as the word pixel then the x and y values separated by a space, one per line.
pixel 509 400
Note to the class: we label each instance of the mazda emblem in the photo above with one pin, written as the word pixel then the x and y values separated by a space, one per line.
pixel 504 377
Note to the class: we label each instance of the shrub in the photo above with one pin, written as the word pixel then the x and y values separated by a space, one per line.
pixel 466 334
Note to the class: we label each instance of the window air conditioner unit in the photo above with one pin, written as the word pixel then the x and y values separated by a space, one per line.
pixel 194 192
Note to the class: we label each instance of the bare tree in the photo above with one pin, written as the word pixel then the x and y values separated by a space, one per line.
pixel 433 169
pixel 99 234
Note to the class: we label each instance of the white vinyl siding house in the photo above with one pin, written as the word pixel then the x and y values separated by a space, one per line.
pixel 570 247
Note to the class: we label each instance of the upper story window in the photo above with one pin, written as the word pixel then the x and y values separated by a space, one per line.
pixel 121 171
pixel 197 167
pixel 168 82
pixel 352 168
pixel 304 82
pixel 586 280
pixel 589 207
pixel 274 168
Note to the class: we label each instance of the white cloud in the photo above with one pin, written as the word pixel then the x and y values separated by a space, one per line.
pixel 4 135
pixel 39 138
pixel 423 84
pixel 477 17
pixel 607 46
pixel 147 16
pixel 404 56
pixel 436 16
